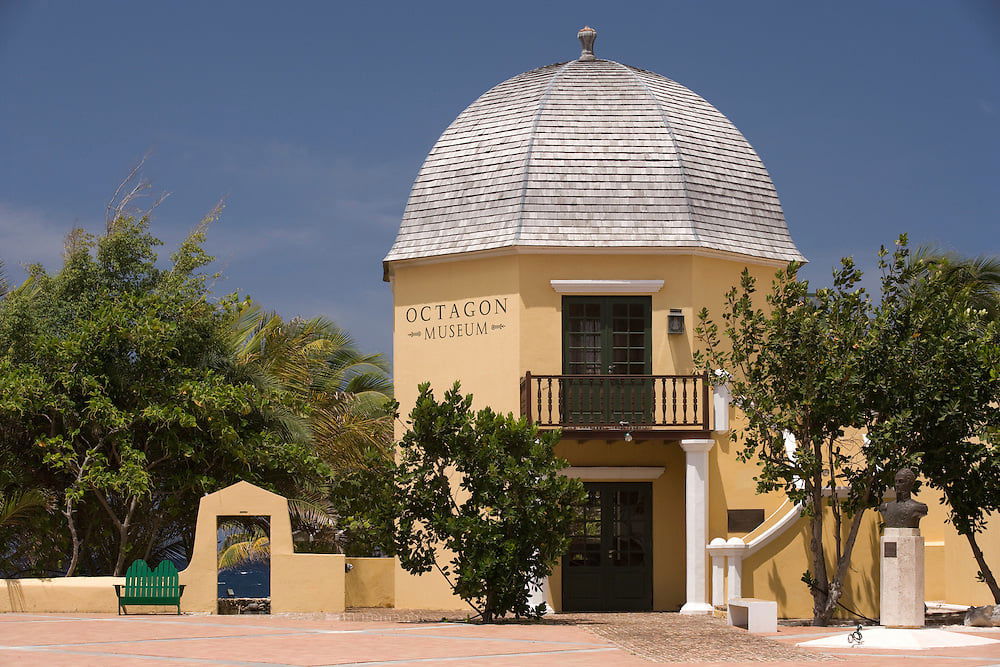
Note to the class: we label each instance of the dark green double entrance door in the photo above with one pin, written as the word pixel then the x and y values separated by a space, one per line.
pixel 609 565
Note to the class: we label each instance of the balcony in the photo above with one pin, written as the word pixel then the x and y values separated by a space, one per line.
pixel 663 407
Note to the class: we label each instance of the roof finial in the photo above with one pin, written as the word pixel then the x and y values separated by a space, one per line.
pixel 587 36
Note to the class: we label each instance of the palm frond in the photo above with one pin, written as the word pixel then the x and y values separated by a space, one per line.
pixel 244 541
pixel 316 510
pixel 250 550
pixel 20 506
pixel 977 279
pixel 332 394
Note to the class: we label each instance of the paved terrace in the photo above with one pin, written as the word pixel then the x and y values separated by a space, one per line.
pixel 423 639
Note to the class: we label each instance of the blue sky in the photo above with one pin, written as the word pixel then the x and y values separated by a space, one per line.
pixel 312 119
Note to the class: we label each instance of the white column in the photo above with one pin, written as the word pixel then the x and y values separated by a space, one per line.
pixel 696 523
pixel 718 572
pixel 538 594
pixel 735 577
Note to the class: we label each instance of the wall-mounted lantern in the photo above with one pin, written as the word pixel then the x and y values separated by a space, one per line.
pixel 675 321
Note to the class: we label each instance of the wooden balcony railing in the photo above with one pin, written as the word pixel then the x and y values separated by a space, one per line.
pixel 663 406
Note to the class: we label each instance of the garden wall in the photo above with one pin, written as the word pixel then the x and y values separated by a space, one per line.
pixel 73 594
pixel 370 582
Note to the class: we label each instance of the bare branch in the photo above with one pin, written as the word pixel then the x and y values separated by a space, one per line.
pixel 114 204
pixel 214 214
pixel 128 191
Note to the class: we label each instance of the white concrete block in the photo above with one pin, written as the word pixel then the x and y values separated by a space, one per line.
pixel 754 615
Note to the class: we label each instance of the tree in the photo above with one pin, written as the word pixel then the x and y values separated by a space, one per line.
pixel 916 373
pixel 17 509
pixel 128 390
pixel 977 279
pixel 363 496
pixel 116 392
pixel 243 541
pixel 338 392
pixel 486 488
pixel 939 345
pixel 798 368
pixel 339 395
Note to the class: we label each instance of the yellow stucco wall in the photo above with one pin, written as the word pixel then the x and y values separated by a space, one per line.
pixel 64 594
pixel 774 572
pixel 960 568
pixel 436 308
pixel 491 365
pixel 491 362
pixel 299 582
pixel 370 582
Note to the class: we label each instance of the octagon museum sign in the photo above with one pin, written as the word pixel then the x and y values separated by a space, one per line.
pixel 457 319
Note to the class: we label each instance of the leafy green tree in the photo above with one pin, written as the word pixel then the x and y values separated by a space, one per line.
pixel 916 373
pixel 339 396
pixel 116 389
pixel 363 496
pixel 18 508
pixel 484 489
pixel 339 393
pixel 939 377
pixel 799 366
pixel 975 279
pixel 243 541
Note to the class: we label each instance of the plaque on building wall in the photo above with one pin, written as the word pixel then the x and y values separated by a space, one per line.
pixel 456 319
pixel 743 521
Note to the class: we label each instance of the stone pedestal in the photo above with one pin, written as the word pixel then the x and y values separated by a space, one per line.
pixel 902 594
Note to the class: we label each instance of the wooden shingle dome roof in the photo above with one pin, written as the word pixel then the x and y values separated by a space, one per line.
pixel 593 154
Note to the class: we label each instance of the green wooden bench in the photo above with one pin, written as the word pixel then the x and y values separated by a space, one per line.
pixel 149 587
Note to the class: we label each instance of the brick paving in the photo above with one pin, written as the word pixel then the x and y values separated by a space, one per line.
pixel 669 637
pixel 369 637
pixel 106 640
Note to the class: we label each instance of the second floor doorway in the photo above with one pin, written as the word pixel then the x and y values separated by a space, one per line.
pixel 607 351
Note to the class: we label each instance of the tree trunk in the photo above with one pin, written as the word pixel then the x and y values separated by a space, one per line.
pixel 984 568
pixel 69 512
pixel 122 527
pixel 74 559
pixel 122 545
pixel 153 532
pixel 835 588
pixel 488 608
pixel 819 588
pixel 123 539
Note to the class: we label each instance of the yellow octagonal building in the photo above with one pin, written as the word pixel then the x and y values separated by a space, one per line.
pixel 557 242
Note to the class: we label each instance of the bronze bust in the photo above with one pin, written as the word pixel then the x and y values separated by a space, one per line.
pixel 903 512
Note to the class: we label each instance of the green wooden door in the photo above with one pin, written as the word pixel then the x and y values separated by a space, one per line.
pixel 609 565
pixel 607 336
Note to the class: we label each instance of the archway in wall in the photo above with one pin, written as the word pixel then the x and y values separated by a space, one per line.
pixel 299 582
pixel 244 564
